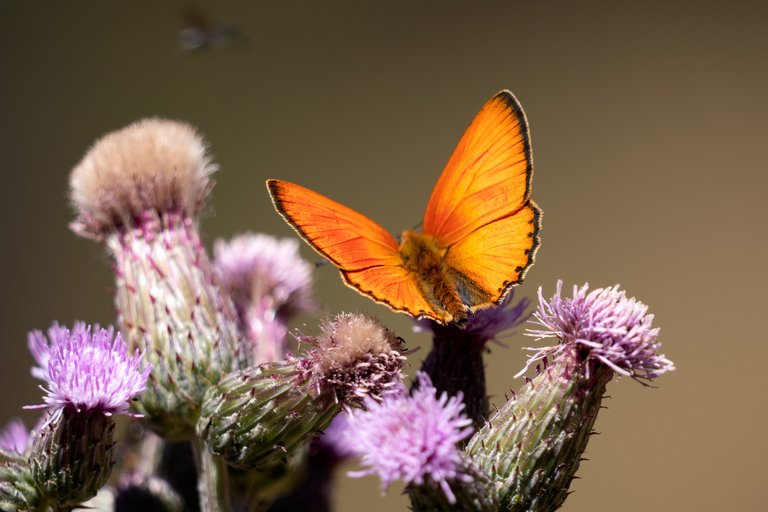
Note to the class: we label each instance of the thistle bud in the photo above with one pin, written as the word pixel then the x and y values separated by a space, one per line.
pixel 139 190
pixel 17 488
pixel 255 417
pixel 531 448
pixel 73 455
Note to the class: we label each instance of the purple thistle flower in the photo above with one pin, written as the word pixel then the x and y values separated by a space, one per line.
pixel 484 324
pixel 255 266
pixel 269 282
pixel 411 437
pixel 602 325
pixel 14 438
pixel 87 368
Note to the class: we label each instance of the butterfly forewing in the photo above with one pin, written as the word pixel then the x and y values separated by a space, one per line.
pixel 347 238
pixel 488 175
pixel 480 208
pixel 365 253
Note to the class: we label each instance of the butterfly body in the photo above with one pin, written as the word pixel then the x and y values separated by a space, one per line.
pixel 424 258
pixel 480 227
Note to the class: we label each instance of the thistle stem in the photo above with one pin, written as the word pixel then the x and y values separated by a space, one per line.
pixel 212 479
pixel 456 364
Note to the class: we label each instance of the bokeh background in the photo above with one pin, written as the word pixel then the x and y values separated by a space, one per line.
pixel 649 134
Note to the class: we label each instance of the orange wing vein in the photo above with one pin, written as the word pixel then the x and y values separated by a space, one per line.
pixel 365 253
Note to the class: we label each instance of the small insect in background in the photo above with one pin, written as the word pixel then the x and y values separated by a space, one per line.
pixel 199 33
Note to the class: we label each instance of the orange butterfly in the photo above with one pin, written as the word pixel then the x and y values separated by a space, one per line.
pixel 480 230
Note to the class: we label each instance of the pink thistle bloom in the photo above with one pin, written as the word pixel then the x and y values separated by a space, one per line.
pixel 88 368
pixel 269 283
pixel 601 326
pixel 483 325
pixel 14 438
pixel 256 266
pixel 411 437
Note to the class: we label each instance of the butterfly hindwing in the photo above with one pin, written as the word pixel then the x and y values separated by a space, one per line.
pixel 495 257
pixel 364 252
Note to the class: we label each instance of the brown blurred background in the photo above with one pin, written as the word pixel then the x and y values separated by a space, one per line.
pixel 649 133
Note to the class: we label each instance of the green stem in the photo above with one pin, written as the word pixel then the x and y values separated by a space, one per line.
pixel 212 479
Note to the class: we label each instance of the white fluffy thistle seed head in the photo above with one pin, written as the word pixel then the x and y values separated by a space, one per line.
pixel 151 165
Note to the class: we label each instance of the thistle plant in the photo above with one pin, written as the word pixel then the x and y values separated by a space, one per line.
pixel 203 361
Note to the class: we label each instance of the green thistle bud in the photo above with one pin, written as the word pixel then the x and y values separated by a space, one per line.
pixel 140 189
pixel 254 418
pixel 531 448
pixel 72 455
pixel 17 487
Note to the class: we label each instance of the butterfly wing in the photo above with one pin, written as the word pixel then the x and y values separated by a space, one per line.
pixel 365 253
pixel 480 209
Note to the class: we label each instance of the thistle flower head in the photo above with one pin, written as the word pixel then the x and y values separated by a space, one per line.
pixel 253 267
pixel 357 357
pixel 411 437
pixel 152 164
pixel 14 438
pixel 89 368
pixel 602 326
pixel 484 324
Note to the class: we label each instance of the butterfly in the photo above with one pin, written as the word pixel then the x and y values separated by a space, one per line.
pixel 480 230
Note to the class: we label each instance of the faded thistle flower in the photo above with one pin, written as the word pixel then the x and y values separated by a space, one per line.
pixel 269 283
pixel 140 190
pixel 531 448
pixel 414 438
pixel 90 376
pixel 257 417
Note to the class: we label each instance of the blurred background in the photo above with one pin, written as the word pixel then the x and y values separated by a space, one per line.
pixel 649 133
